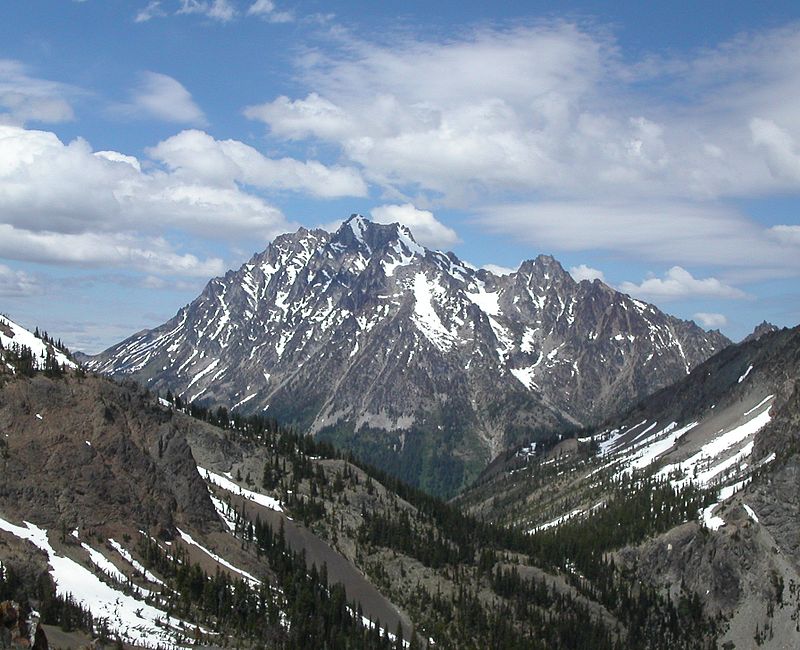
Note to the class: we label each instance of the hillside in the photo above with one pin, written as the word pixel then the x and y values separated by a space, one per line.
pixel 729 428
pixel 175 523
pixel 412 358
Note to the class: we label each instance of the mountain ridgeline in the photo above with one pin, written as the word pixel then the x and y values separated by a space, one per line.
pixel 415 360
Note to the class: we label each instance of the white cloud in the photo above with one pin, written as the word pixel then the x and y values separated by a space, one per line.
pixel 680 283
pixel 152 10
pixel 196 156
pixel 447 116
pixel 24 98
pixel 553 107
pixel 116 156
pixel 672 232
pixel 221 10
pixel 711 320
pixel 17 284
pixel 427 230
pixel 64 203
pixel 161 97
pixel 786 234
pixel 499 270
pixel 782 156
pixel 151 255
pixel 584 272
pixel 312 116
pixel 267 10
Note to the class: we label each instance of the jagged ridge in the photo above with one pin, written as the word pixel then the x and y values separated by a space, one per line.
pixel 408 354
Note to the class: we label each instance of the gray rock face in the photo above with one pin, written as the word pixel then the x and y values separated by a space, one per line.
pixel 422 363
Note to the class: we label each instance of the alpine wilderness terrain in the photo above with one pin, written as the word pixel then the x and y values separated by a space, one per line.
pixel 729 431
pixel 129 516
pixel 418 362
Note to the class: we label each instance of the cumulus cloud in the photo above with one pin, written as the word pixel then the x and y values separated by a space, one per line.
pixel 25 98
pixel 51 186
pixel 584 272
pixel 161 97
pixel 427 230
pixel 65 204
pixel 197 156
pixel 17 284
pixel 551 133
pixel 152 255
pixel 301 118
pixel 711 320
pixel 680 283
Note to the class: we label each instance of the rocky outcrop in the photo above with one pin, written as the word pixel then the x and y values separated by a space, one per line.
pixel 91 454
pixel 18 632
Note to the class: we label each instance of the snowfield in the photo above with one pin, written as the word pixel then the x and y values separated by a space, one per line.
pixel 134 620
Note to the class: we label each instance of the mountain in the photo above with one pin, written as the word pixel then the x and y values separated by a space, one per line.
pixel 411 357
pixel 132 520
pixel 730 430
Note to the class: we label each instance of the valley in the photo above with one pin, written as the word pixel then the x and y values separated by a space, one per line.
pixel 635 526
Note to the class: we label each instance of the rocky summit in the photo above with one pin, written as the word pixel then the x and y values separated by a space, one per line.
pixel 414 359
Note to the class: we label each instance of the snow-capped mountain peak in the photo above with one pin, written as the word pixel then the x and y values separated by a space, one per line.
pixel 367 337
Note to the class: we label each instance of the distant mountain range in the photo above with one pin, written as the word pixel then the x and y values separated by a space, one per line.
pixel 413 358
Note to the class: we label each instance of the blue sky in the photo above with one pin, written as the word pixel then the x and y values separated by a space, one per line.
pixel 147 146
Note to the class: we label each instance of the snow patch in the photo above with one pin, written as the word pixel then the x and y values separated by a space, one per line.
pixel 226 484
pixel 186 537
pixel 556 521
pixel 134 620
pixel 759 405
pixel 138 566
pixel 489 303
pixel 38 347
pixel 244 401
pixel 750 512
pixel 528 340
pixel 525 376
pixel 104 564
pixel 746 372
pixel 692 467
pixel 709 519
pixel 425 317
pixel 203 372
